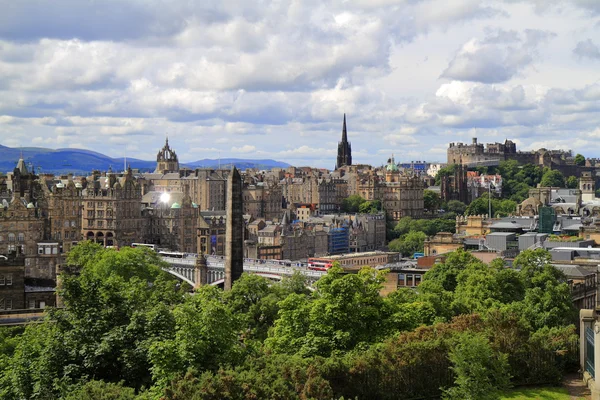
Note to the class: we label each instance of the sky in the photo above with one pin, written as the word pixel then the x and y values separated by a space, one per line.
pixel 272 79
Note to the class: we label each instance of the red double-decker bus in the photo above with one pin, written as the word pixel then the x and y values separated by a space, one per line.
pixel 319 264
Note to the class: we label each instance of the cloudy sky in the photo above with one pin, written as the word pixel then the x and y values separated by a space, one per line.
pixel 272 79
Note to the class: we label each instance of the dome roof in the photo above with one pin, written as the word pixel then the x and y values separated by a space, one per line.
pixel 391 165
pixel 175 205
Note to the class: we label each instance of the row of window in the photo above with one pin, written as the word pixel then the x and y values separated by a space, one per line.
pixel 20 237
pixel 99 214
pixel 410 280
pixel 99 224
pixel 5 304
pixel 6 279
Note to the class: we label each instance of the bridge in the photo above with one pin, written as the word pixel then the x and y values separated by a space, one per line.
pixel 183 268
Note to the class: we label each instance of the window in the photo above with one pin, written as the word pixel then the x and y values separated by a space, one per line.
pixel 409 280
pixel 9 279
pixel 100 224
pixel 31 304
pixel 11 237
pixel 8 304
pixel 401 279
pixel 90 214
pixel 2 280
pixel 418 279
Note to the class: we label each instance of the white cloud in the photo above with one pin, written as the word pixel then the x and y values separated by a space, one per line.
pixel 273 81
pixel 587 49
pixel 244 149
pixel 496 58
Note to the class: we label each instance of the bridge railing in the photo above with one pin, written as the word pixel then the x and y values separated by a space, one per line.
pixel 248 266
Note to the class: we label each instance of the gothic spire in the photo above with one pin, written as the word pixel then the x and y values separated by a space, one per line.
pixel 344 156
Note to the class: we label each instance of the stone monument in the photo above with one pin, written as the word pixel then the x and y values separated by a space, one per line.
pixel 234 232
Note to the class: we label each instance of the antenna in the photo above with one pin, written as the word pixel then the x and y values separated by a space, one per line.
pixel 125 164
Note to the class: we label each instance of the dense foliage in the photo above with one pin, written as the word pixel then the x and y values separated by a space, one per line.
pixel 129 331
pixel 356 204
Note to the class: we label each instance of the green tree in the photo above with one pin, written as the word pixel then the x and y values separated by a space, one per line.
pixel 345 311
pixel 572 182
pixel 370 207
pixel 579 159
pixel 205 338
pixel 456 206
pixel 480 372
pixel 116 303
pixel 431 200
pixel 553 178
pixel 409 244
pixel 99 390
pixel 403 226
pixel 479 206
pixel 352 203
pixel 253 300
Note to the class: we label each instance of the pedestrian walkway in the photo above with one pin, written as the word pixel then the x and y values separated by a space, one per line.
pixel 576 387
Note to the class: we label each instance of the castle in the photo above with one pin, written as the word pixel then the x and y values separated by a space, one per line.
pixel 492 153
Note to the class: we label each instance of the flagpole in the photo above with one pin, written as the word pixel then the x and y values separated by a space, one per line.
pixel 489 198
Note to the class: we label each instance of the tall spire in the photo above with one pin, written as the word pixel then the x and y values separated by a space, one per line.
pixel 344 155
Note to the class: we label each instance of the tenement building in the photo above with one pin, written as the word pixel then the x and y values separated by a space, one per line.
pixel 112 209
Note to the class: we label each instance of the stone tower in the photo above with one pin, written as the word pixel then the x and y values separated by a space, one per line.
pixel 166 160
pixel 234 231
pixel 344 155
pixel 200 270
pixel 587 185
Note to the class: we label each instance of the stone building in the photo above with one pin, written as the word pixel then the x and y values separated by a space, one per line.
pixel 455 186
pixel 493 153
pixel 211 232
pixel 166 160
pixel 112 213
pixel 263 200
pixel 443 242
pixel 401 194
pixel 63 199
pixel 171 221
pixel 12 282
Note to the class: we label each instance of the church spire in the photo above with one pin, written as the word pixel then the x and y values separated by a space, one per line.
pixel 344 156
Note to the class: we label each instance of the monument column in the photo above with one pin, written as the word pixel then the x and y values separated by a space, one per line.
pixel 200 270
pixel 234 230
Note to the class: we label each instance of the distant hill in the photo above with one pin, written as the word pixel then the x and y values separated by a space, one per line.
pixel 79 161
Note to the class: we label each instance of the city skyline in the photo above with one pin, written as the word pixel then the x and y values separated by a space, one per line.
pixel 227 79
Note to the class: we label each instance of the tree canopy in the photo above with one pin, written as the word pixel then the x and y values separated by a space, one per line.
pixel 128 330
